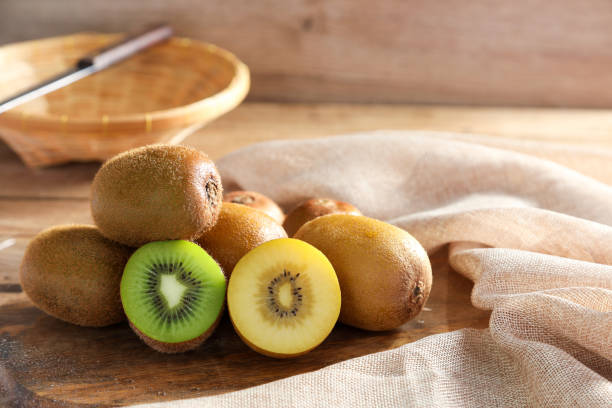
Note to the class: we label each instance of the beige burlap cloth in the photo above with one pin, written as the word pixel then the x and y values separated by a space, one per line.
pixel 529 223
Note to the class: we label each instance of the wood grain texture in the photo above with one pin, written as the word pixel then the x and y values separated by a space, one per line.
pixel 524 52
pixel 47 363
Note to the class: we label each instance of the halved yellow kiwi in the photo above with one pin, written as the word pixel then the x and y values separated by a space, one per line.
pixel 283 298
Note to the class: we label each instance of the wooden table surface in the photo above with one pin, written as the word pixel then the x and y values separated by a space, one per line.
pixel 45 362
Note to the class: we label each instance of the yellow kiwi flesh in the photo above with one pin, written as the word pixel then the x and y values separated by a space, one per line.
pixel 283 298
pixel 239 229
pixel 156 193
pixel 73 273
pixel 384 273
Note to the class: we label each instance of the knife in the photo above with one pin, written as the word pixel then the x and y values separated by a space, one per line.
pixel 90 64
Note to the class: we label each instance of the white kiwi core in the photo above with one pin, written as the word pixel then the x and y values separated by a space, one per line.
pixel 285 297
pixel 172 290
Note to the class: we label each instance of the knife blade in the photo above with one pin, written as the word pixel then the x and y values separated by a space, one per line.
pixel 90 64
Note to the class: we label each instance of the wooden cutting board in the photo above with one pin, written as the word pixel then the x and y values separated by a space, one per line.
pixel 45 362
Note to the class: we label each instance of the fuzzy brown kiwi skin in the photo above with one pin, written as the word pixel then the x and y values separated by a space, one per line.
pixel 384 273
pixel 73 273
pixel 174 348
pixel 156 193
pixel 313 208
pixel 238 230
pixel 258 201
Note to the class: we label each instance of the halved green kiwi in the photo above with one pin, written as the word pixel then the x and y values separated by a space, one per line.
pixel 173 294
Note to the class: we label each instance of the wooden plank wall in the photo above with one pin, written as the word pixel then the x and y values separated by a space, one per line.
pixel 478 52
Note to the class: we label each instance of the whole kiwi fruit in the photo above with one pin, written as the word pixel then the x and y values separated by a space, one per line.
pixel 73 273
pixel 238 230
pixel 384 273
pixel 258 201
pixel 313 208
pixel 156 193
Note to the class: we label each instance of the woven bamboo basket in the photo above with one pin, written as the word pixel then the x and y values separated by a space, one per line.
pixel 158 96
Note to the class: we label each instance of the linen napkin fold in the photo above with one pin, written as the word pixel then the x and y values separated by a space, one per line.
pixel 531 232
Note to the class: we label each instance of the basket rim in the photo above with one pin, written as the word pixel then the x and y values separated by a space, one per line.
pixel 225 99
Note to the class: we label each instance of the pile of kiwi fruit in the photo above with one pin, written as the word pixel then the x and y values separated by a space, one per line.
pixel 170 253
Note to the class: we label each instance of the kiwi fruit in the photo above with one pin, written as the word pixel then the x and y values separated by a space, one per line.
pixel 384 273
pixel 283 298
pixel 156 193
pixel 238 230
pixel 313 208
pixel 173 294
pixel 258 201
pixel 72 272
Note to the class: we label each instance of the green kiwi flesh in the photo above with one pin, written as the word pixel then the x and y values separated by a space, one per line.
pixel 173 294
